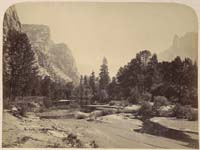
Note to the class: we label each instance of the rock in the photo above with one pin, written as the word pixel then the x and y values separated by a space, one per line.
pixel 11 21
pixel 93 144
pixel 73 141
pixel 14 109
pixel 54 60
pixel 81 115
pixel 131 109
pixel 98 113
pixel 166 111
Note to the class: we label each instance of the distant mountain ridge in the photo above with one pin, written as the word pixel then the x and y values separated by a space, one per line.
pixel 185 46
pixel 53 60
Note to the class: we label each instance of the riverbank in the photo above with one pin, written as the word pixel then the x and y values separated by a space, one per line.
pixel 109 131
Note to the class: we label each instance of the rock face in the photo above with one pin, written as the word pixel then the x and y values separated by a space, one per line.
pixel 11 21
pixel 186 46
pixel 53 60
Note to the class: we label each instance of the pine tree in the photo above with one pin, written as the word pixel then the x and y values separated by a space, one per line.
pixel 113 89
pixel 85 81
pixel 45 86
pixel 92 83
pixel 21 64
pixel 81 89
pixel 104 78
pixel 6 68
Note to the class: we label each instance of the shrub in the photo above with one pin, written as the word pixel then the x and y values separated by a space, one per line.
pixel 72 140
pixel 160 101
pixel 181 111
pixel 125 103
pixel 146 110
pixel 74 105
pixel 193 116
pixel 134 96
pixel 19 110
pixel 48 103
pixel 111 103
pixel 22 111
pixel 93 144
pixel 145 97
pixel 185 112
pixel 6 104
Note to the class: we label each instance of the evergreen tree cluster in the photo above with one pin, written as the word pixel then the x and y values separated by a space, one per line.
pixel 144 77
pixel 20 72
pixel 19 69
pixel 94 89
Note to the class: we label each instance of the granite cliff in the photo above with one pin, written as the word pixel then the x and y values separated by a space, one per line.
pixel 53 60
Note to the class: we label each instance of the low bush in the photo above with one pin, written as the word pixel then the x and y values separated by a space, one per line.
pixel 19 110
pixel 160 101
pixel 193 116
pixel 6 104
pixel 146 110
pixel 22 111
pixel 48 103
pixel 73 141
pixel 111 103
pixel 74 105
pixel 185 112
pixel 134 96
pixel 145 97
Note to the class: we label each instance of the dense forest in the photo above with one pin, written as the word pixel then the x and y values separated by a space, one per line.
pixel 20 72
pixel 140 80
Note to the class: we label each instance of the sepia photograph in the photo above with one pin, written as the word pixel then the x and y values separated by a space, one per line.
pixel 100 75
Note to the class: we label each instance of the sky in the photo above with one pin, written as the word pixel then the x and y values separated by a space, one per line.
pixel 114 30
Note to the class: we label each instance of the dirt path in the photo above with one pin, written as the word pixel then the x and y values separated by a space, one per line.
pixel 111 131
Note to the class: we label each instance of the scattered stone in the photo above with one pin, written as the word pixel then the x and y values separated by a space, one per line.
pixel 93 144
pixel 73 141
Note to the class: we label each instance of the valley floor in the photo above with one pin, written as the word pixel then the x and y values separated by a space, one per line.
pixel 111 131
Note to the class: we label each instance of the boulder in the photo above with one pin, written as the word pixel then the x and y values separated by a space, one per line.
pixel 166 111
pixel 81 115
pixel 131 109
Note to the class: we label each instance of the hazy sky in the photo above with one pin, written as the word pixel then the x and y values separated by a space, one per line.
pixel 114 30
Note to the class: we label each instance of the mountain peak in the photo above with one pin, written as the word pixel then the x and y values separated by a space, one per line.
pixel 185 46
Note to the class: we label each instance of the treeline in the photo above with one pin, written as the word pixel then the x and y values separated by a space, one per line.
pixel 20 72
pixel 94 89
pixel 142 79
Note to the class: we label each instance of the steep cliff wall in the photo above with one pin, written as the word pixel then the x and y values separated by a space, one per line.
pixel 54 60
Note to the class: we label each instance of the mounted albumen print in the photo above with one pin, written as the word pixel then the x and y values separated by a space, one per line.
pixel 100 75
